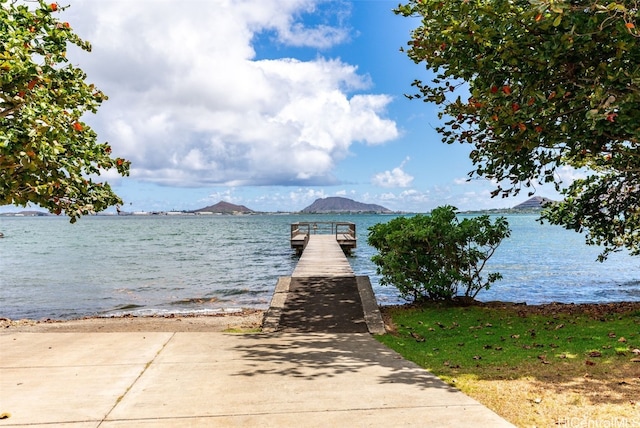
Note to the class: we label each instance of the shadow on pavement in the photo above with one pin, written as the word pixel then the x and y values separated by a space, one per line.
pixel 331 305
pixel 312 356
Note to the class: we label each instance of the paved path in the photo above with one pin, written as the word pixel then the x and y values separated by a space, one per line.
pixel 109 380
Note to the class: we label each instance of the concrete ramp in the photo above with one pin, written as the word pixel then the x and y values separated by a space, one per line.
pixel 323 305
pixel 186 380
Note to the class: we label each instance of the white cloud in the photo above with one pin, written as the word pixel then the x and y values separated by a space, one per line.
pixel 227 195
pixel 567 174
pixel 394 178
pixel 190 105
pixel 304 196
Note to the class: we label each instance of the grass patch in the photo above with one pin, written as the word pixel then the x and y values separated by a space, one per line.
pixel 534 367
pixel 242 330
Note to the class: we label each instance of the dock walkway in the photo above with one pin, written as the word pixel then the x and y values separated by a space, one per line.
pixel 323 294
pixel 323 257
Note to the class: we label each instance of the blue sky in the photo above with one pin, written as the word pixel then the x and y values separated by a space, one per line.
pixel 269 104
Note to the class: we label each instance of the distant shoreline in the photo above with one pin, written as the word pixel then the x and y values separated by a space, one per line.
pixel 502 211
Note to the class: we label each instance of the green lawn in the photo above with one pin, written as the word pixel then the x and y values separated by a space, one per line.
pixel 534 366
pixel 478 340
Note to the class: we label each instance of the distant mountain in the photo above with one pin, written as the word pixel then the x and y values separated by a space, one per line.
pixel 223 207
pixel 535 203
pixel 336 204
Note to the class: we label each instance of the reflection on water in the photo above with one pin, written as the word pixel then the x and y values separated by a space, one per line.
pixel 105 265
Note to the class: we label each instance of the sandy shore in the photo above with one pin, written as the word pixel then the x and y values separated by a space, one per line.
pixel 251 319
pixel 245 320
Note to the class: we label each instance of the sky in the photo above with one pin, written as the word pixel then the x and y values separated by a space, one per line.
pixel 269 104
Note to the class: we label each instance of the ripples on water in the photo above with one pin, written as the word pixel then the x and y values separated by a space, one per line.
pixel 164 264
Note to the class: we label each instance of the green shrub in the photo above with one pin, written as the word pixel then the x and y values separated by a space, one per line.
pixel 437 256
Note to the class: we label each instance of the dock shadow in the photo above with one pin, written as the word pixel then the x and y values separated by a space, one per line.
pixel 320 304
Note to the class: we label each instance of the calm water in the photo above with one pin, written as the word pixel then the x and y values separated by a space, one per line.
pixel 165 264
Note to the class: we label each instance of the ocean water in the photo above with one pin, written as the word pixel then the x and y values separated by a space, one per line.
pixel 107 265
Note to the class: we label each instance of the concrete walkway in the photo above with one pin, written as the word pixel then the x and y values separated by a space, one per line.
pixel 113 380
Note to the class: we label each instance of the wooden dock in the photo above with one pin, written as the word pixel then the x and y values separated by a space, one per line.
pixel 323 294
pixel 344 234
pixel 323 257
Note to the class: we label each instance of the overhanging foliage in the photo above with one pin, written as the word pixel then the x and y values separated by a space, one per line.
pixel 551 83
pixel 48 155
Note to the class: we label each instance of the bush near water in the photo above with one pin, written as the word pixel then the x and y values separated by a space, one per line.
pixel 437 256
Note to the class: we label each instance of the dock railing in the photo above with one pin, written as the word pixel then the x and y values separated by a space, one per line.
pixel 344 231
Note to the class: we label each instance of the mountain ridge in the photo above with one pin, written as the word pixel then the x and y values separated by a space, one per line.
pixel 536 202
pixel 336 204
pixel 224 207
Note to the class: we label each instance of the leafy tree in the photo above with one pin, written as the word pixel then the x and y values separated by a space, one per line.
pixel 47 154
pixel 550 83
pixel 437 257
